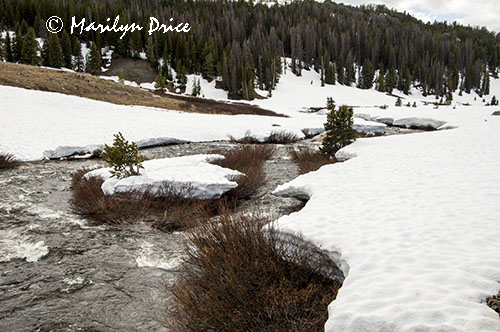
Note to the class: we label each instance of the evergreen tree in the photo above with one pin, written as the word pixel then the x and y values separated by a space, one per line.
pixel 399 102
pixel 160 83
pixel 78 63
pixel 208 67
pixel 494 101
pixel 18 45
pixel 66 50
pixel 8 53
pixel 367 75
pixel 56 59
pixel 381 80
pixel 339 131
pixel 30 49
pixel 196 88
pixel 94 60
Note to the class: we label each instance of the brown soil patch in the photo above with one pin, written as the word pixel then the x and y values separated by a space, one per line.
pixel 136 70
pixel 88 86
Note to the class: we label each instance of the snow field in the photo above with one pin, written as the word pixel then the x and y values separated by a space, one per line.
pixel 415 221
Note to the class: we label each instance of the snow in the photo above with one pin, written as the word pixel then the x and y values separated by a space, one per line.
pixel 43 121
pixel 414 222
pixel 205 180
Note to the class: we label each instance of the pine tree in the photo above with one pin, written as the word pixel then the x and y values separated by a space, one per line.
pixel 196 88
pixel 8 53
pixel 56 59
pixel 160 83
pixel 66 50
pixel 17 45
pixel 399 102
pixel 94 60
pixel 339 131
pixel 121 79
pixel 78 63
pixel 208 67
pixel 381 80
pixel 30 49
pixel 367 75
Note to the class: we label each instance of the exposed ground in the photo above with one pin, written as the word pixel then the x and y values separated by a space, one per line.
pixel 88 86
pixel 136 70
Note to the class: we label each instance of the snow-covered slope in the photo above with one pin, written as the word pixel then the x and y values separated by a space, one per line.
pixel 414 221
pixel 35 121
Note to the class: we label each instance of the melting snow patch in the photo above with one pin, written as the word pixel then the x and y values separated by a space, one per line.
pixel 205 180
pixel 14 245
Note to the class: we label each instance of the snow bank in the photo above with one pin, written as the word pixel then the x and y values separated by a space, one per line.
pixel 414 219
pixel 205 179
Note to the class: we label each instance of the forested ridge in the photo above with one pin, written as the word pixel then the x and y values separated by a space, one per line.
pixel 243 44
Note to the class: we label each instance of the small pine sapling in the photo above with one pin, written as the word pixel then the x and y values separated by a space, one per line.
pixel 123 157
pixel 160 83
pixel 399 102
pixel 339 131
pixel 121 78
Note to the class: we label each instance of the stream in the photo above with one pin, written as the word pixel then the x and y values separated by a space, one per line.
pixel 59 272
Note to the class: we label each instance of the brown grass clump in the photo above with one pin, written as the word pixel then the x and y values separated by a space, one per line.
pixel 494 303
pixel 308 159
pixel 8 161
pixel 169 211
pixel 276 137
pixel 247 159
pixel 282 137
pixel 239 278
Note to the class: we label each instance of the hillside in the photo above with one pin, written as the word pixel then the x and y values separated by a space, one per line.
pixel 92 87
pixel 241 44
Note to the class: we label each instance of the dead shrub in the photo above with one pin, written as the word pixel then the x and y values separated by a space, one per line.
pixel 239 278
pixel 8 161
pixel 308 159
pixel 276 137
pixel 247 159
pixel 282 137
pixel 247 139
pixel 168 211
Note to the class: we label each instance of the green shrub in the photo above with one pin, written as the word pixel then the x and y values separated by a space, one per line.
pixel 339 131
pixel 123 157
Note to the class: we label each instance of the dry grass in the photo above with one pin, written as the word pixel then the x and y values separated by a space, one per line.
pixel 494 303
pixel 238 278
pixel 8 161
pixel 168 211
pixel 308 159
pixel 88 86
pixel 276 137
pixel 247 159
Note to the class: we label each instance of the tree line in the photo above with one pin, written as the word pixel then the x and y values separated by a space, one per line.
pixel 243 44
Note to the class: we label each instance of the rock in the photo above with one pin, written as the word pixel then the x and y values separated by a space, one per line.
pixel 72 151
pixel 386 121
pixel 311 132
pixel 419 123
pixel 496 113
pixel 159 141
pixel 363 116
